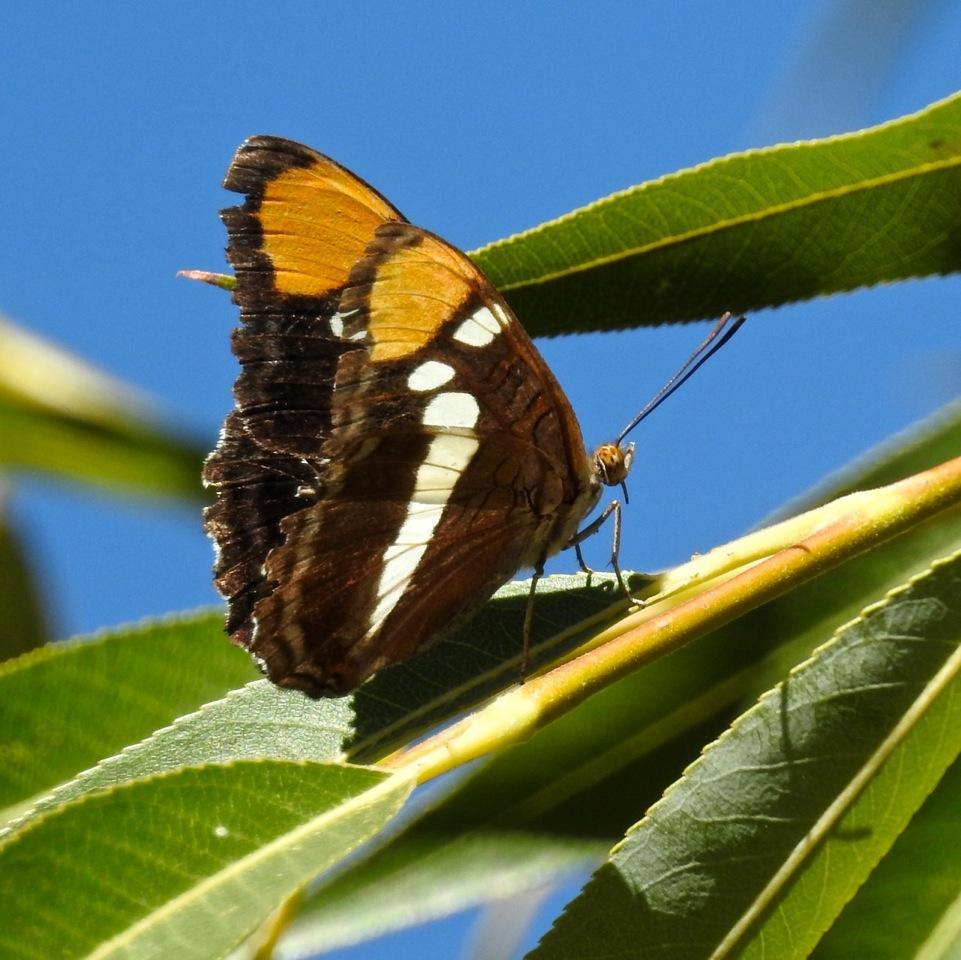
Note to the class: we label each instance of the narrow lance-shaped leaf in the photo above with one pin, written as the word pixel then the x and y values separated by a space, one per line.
pixel 548 807
pixel 752 230
pixel 185 864
pixel 55 707
pixel 758 847
pixel 65 706
pixel 252 723
pixel 59 415
pixel 257 722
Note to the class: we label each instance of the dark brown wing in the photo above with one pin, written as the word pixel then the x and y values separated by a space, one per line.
pixel 305 223
pixel 441 457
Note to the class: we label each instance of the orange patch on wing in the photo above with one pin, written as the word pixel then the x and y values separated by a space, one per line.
pixel 316 222
pixel 415 292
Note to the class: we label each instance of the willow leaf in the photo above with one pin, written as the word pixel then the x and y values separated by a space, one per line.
pixel 65 706
pixel 540 810
pixel 894 915
pixel 752 230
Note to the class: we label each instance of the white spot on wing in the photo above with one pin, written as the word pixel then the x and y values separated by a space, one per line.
pixel 501 314
pixel 430 375
pixel 479 329
pixel 447 458
pixel 422 518
pixel 436 476
pixel 451 409
pixel 337 323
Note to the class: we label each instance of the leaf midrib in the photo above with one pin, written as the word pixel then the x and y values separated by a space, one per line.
pixel 928 696
pixel 718 226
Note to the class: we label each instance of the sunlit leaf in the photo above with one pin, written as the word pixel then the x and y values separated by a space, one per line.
pixel 259 721
pixel 67 705
pixel 894 915
pixel 752 230
pixel 171 666
pixel 544 809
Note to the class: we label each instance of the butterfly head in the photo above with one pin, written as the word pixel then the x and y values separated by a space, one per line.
pixel 612 463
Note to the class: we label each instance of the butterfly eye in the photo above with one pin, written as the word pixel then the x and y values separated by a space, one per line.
pixel 613 462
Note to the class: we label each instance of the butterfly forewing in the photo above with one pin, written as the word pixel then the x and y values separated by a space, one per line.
pixel 409 446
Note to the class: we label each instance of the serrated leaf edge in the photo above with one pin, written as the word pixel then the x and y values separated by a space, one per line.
pixel 677 239
pixel 39 808
pixel 121 632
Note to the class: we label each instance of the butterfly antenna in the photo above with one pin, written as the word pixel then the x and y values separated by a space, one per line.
pixel 723 330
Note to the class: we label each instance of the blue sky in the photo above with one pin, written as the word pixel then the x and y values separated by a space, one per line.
pixel 477 121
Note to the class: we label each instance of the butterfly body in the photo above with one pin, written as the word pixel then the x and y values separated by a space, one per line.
pixel 398 448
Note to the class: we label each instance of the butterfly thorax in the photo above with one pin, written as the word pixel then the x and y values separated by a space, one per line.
pixel 608 466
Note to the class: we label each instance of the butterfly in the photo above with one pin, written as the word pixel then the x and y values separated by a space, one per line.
pixel 398 447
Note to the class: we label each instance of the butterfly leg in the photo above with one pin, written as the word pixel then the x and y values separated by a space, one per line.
pixel 580 560
pixel 529 618
pixel 615 556
pixel 614 507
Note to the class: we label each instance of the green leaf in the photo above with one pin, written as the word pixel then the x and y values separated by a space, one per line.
pixel 185 864
pixel 67 705
pixel 59 415
pixel 893 915
pixel 759 846
pixel 547 808
pixel 523 822
pixel 752 230
pixel 432 872
pixel 22 623
pixel 74 704
pixel 634 733
pixel 258 720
